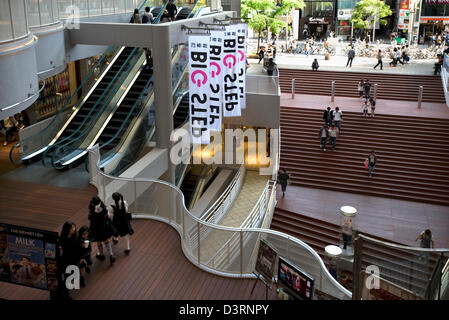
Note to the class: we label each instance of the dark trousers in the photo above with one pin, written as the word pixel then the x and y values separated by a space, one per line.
pixel 333 142
pixel 10 133
pixel 346 240
pixel 379 62
pixel 323 142
pixel 399 60
pixel 349 62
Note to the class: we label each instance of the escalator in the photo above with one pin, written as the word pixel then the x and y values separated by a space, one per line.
pixel 188 186
pixel 182 112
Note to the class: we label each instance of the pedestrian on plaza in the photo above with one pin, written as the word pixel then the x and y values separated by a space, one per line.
pixel 405 54
pixel 426 242
pixel 379 60
pixel 323 134
pixel 373 106
pixel 121 220
pixel 271 66
pixel 307 48
pixel 101 228
pixel 283 179
pixel 315 65
pixel 351 56
pixel 397 56
pixel 327 116
pixel 360 87
pixel 261 54
pixel 367 89
pixel 136 17
pixel 338 117
pixel 147 16
pixel 333 134
pixel 372 160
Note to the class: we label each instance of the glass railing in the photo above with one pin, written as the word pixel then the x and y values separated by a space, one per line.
pixel 36 144
pixel 401 272
pixel 56 152
pixel 89 8
pixel 155 199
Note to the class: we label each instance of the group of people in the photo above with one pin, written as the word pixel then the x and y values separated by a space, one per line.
pixel 398 55
pixel 331 128
pixel 74 246
pixel 364 88
pixel 11 125
pixel 168 14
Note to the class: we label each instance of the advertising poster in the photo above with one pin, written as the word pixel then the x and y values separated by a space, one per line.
pixel 199 88
pixel 266 261
pixel 241 57
pixel 231 97
pixel 216 80
pixel 28 257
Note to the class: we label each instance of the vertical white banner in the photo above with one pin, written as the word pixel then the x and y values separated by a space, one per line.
pixel 199 88
pixel 216 80
pixel 241 45
pixel 231 100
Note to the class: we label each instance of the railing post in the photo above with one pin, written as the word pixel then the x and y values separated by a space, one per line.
pixel 357 269
pixel 199 241
pixel 375 91
pixel 241 252
pixel 333 91
pixel 420 96
pixel 293 88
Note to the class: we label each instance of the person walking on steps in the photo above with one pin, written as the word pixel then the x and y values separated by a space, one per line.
pixel 373 106
pixel 333 134
pixel 426 242
pixel 323 134
pixel 351 56
pixel 121 220
pixel 360 87
pixel 371 160
pixel 365 108
pixel 367 87
pixel 101 228
pixel 327 116
pixel 283 180
pixel 338 117
pixel 379 60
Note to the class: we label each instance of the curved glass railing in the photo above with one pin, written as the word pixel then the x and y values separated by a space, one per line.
pixel 69 144
pixel 155 199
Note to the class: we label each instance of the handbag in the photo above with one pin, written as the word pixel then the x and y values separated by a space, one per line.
pixel 366 164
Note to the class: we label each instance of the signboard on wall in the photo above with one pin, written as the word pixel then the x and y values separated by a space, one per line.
pixel 403 4
pixel 434 10
pixel 344 14
pixel 266 261
pixel 28 257
pixel 404 19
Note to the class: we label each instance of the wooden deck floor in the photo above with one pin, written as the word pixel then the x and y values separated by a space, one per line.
pixel 155 269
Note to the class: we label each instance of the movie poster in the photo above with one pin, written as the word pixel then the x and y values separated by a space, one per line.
pixel 28 257
pixel 266 261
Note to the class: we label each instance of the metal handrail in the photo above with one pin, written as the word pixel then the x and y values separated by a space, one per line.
pixel 198 221
pixel 24 100
pixel 402 247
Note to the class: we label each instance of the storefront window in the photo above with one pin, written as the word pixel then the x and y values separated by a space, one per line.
pixel 431 9
pixel 347 4
pixel 318 9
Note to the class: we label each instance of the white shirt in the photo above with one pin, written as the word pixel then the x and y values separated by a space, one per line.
pixel 337 115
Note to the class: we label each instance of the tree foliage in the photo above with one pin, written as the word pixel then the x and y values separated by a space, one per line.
pixel 366 12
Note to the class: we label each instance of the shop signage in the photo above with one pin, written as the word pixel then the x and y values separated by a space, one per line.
pixel 217 67
pixel 435 10
pixel 404 19
pixel 344 14
pixel 403 4
pixel 317 20
pixel 28 257
pixel 199 88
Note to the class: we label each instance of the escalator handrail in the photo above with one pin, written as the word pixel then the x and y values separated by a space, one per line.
pixel 193 8
pixel 104 104
pixel 63 108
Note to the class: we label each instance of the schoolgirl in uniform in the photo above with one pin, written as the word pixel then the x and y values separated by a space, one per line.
pixel 121 219
pixel 85 253
pixel 101 228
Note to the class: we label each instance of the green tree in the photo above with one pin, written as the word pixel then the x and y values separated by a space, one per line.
pixel 263 15
pixel 367 12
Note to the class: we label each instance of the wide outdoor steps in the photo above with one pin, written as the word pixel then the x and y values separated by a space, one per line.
pixel 412 163
pixel 389 86
pixel 395 265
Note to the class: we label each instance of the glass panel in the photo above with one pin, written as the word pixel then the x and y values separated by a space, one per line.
pixel 33 13
pixel 62 8
pixel 83 6
pixel 120 6
pixel 19 22
pixel 5 22
pixel 55 10
pixel 94 7
pixel 130 6
pixel 45 10
pixel 318 9
pixel 108 6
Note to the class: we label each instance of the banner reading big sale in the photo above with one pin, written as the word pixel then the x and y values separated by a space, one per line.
pixel 231 98
pixel 199 88
pixel 216 80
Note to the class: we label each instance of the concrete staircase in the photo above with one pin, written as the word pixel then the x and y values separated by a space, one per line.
pixel 390 86
pixel 413 155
